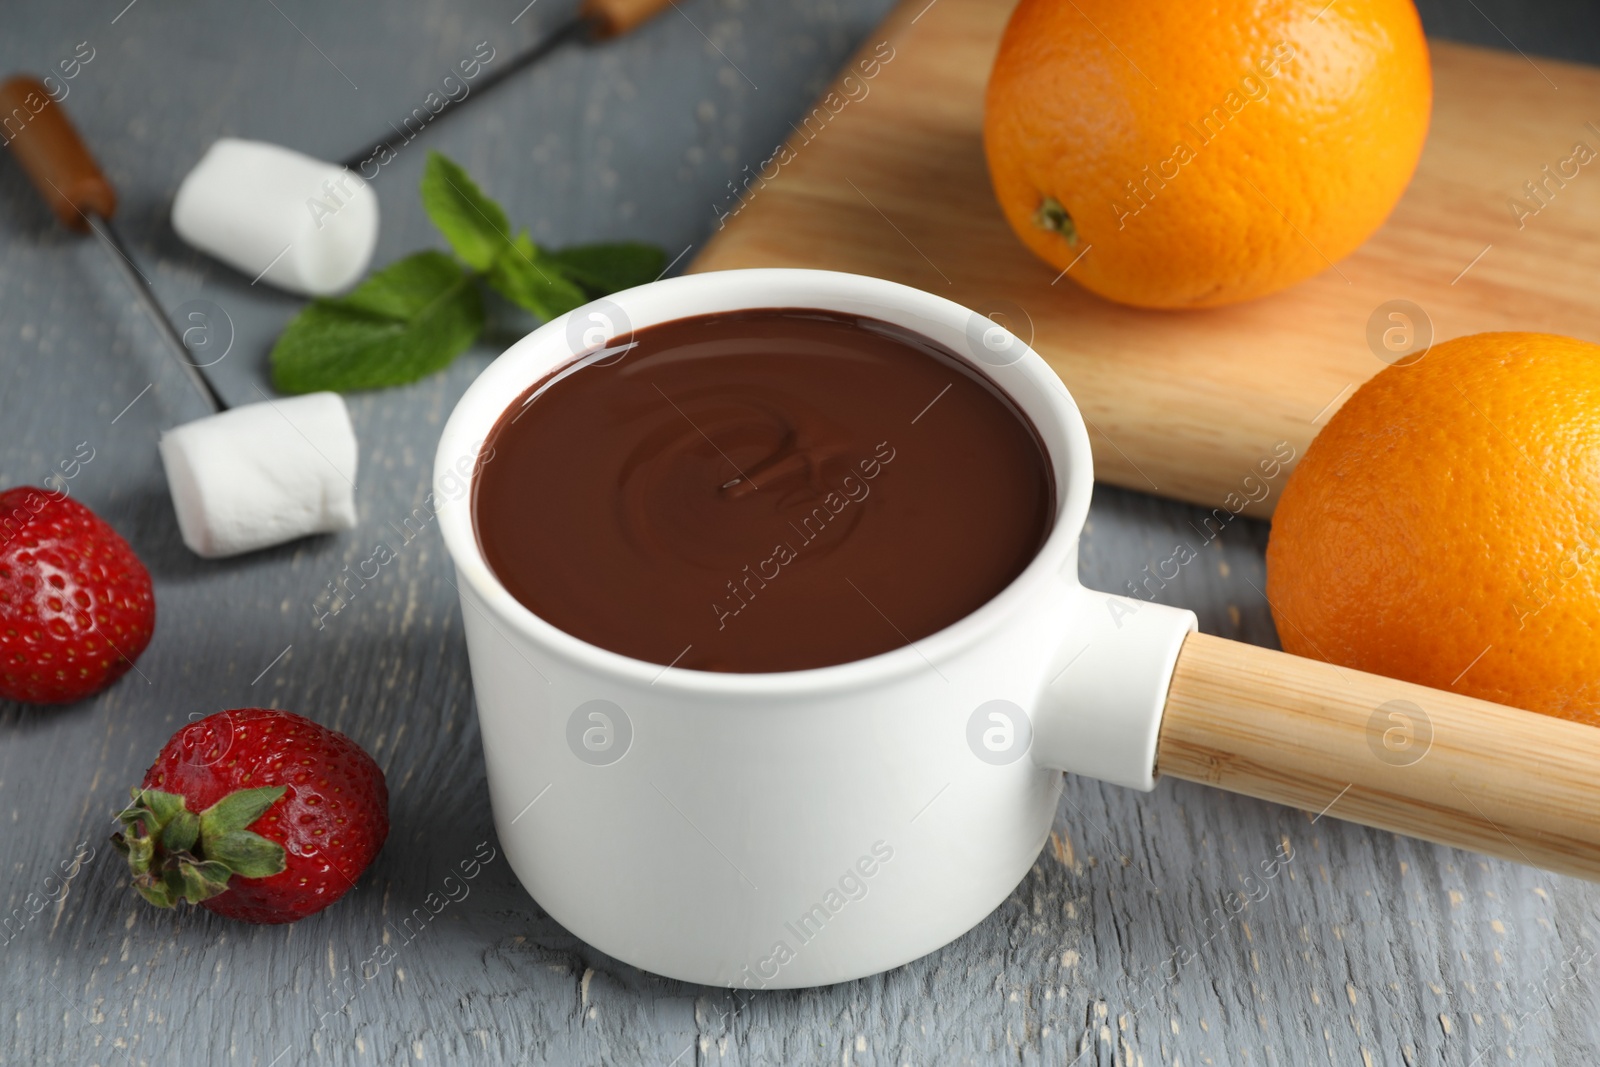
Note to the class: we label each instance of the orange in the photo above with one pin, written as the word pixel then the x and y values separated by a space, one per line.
pixel 1180 155
pixel 1444 527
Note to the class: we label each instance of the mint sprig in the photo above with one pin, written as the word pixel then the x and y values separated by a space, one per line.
pixel 475 226
pixel 531 279
pixel 416 315
pixel 403 323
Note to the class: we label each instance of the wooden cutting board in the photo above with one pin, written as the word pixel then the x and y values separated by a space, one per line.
pixel 1186 404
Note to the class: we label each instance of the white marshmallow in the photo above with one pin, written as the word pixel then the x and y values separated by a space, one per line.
pixel 262 474
pixel 309 225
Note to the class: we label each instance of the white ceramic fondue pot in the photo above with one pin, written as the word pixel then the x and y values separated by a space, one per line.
pixel 809 827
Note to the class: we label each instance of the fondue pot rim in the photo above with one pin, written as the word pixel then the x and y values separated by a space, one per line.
pixel 1042 397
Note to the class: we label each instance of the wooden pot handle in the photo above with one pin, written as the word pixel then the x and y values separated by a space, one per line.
pixel 612 18
pixel 1384 753
pixel 44 141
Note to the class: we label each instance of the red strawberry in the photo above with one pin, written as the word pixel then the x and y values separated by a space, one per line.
pixel 75 603
pixel 257 814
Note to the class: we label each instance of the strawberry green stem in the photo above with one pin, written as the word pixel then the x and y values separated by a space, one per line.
pixel 176 855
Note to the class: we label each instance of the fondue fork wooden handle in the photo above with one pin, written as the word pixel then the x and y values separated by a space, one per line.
pixel 53 155
pixel 71 183
pixel 1384 753
pixel 612 18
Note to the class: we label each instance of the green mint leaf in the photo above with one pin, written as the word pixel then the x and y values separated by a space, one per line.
pixel 406 287
pixel 530 278
pixel 403 323
pixel 609 268
pixel 475 226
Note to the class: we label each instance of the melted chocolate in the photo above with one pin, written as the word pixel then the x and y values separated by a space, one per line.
pixel 762 491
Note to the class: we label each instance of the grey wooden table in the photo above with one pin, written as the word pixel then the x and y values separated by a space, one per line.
pixel 1366 949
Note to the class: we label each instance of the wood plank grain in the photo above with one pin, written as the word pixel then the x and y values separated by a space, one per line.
pixel 1186 404
pixel 1367 948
